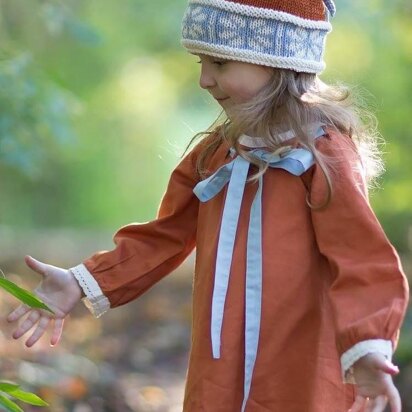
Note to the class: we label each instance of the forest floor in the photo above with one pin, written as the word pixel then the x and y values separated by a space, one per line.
pixel 132 359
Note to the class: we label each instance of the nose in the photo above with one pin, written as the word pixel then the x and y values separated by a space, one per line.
pixel 206 79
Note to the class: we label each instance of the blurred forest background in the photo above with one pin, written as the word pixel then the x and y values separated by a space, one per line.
pixel 97 102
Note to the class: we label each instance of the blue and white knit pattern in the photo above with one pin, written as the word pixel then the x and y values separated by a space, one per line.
pixel 250 34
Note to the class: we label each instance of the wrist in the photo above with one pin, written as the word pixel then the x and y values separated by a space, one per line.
pixel 95 300
pixel 75 285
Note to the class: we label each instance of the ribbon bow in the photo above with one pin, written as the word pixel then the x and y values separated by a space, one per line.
pixel 295 161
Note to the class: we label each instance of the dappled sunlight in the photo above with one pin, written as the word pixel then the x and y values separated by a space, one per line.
pixel 144 90
pixel 401 28
pixel 350 51
pixel 398 195
pixel 98 103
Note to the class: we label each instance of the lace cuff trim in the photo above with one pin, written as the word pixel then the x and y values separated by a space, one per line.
pixel 361 349
pixel 95 300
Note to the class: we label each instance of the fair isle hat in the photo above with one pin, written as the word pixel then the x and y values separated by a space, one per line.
pixel 288 34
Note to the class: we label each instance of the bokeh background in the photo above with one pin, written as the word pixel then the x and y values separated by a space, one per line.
pixel 97 103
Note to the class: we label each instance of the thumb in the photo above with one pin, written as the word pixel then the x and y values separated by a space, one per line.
pixel 36 265
pixel 388 367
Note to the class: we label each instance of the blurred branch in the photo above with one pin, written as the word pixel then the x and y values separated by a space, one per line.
pixel 59 19
pixel 34 109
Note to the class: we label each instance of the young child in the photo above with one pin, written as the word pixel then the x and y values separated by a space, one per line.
pixel 298 296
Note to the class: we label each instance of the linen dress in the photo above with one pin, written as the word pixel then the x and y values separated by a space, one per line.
pixel 332 283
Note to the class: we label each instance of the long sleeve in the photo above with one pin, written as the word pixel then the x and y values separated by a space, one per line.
pixel 369 292
pixel 145 252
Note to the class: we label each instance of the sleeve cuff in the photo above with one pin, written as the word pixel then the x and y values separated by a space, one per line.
pixel 361 349
pixel 95 300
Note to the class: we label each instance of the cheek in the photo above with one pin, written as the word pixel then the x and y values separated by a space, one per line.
pixel 240 91
pixel 244 88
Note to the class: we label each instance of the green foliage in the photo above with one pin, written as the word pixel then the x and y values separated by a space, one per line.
pixel 14 391
pixel 98 100
pixel 37 113
pixel 36 110
pixel 9 388
pixel 115 76
pixel 23 295
pixel 8 405
pixel 59 19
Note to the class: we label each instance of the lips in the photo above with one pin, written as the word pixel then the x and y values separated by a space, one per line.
pixel 221 99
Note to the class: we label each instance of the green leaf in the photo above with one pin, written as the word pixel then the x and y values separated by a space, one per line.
pixel 8 405
pixel 25 296
pixel 14 390
pixel 28 397
pixel 8 386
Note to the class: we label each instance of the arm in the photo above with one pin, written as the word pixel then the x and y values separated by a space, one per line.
pixel 146 252
pixel 369 291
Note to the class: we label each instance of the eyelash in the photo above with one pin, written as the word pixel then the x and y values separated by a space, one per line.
pixel 218 63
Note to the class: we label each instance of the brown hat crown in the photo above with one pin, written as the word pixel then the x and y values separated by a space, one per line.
pixel 309 9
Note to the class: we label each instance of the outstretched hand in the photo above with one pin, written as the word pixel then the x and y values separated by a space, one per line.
pixel 374 385
pixel 59 290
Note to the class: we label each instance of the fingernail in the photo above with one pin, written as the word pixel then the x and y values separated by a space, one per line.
pixel 395 369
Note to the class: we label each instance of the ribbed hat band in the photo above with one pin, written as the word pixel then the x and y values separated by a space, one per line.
pixel 278 33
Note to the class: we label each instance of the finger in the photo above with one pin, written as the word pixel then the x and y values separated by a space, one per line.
pixel 369 404
pixel 27 324
pixel 36 265
pixel 57 331
pixel 18 313
pixel 394 399
pixel 38 333
pixel 379 403
pixel 385 365
pixel 390 368
pixel 358 404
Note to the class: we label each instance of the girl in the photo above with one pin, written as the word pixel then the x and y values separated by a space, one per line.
pixel 298 296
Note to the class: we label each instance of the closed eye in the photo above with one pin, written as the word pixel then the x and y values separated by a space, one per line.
pixel 219 62
pixel 216 62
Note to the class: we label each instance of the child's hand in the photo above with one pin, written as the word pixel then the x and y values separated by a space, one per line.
pixel 374 385
pixel 59 290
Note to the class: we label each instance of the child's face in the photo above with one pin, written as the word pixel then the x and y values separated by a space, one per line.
pixel 232 82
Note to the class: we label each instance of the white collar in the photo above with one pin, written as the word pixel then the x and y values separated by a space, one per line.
pixel 251 141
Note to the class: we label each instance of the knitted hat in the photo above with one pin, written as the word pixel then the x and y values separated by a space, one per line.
pixel 287 34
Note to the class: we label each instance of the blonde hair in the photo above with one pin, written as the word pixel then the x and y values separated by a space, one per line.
pixel 289 101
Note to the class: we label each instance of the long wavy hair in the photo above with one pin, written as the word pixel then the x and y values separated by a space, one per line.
pixel 290 101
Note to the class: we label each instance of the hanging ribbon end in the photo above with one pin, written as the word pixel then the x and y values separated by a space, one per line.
pixel 215 346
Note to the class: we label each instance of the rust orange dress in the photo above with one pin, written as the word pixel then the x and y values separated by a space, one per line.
pixel 333 286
